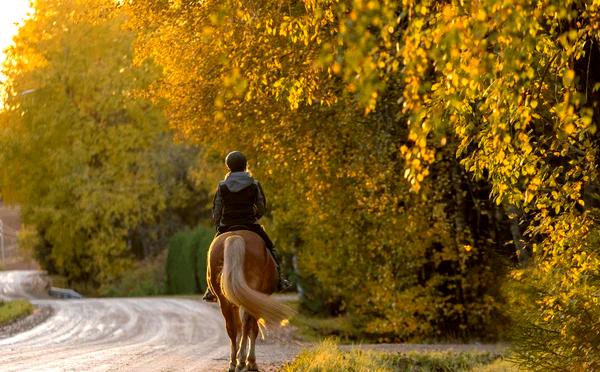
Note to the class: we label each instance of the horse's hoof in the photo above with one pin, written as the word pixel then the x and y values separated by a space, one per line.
pixel 240 369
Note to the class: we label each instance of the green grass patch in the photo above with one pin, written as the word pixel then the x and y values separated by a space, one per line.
pixel 13 310
pixel 328 357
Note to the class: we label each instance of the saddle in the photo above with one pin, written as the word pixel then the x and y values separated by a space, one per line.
pixel 237 228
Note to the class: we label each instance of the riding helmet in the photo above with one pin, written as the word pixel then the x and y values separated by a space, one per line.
pixel 236 161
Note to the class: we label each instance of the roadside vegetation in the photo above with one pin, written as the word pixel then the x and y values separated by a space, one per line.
pixel 178 270
pixel 315 328
pixel 327 356
pixel 13 310
pixel 343 329
pixel 186 261
pixel 146 278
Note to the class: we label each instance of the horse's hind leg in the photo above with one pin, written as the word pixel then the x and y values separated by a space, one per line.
pixel 253 333
pixel 242 351
pixel 232 323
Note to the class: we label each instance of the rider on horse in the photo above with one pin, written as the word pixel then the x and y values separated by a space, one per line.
pixel 238 204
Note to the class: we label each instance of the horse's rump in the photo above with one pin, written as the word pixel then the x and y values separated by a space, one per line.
pixel 236 289
pixel 242 274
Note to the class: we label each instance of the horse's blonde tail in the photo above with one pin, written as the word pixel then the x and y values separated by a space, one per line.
pixel 236 289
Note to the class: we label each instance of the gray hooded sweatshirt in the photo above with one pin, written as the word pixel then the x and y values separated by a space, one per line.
pixel 237 181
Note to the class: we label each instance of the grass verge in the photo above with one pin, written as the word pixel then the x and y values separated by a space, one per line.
pixel 12 310
pixel 328 357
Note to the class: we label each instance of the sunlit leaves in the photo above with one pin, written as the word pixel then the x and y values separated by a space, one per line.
pixel 361 99
pixel 77 139
pixel 501 76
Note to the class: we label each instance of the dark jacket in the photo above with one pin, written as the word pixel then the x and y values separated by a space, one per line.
pixel 239 200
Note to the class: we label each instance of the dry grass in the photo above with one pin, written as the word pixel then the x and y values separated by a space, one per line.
pixel 499 365
pixel 328 357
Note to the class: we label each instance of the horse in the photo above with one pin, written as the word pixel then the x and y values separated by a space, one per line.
pixel 242 274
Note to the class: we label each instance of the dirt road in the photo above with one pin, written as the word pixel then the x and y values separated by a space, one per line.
pixel 145 334
pixel 119 334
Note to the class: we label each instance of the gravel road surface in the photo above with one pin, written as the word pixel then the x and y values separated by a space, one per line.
pixel 121 334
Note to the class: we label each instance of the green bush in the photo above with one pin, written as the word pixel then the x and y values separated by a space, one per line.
pixel 328 357
pixel 147 278
pixel 12 310
pixel 186 261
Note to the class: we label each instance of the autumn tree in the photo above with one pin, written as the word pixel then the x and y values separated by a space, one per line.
pixel 267 78
pixel 90 161
pixel 412 150
pixel 514 82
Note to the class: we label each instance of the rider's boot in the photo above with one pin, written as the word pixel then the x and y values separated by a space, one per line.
pixel 209 296
pixel 283 283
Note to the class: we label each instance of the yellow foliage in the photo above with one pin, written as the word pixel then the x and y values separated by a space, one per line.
pixel 77 139
pixel 331 97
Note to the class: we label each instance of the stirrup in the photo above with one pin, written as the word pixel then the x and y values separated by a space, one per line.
pixel 209 296
pixel 284 284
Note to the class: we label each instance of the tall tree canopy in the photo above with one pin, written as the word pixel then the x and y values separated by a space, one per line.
pixel 364 100
pixel 516 83
pixel 264 77
pixel 83 153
